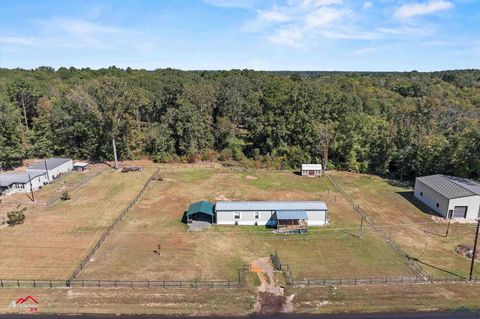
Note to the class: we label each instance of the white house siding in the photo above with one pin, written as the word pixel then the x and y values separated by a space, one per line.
pixel 472 203
pixel 317 217
pixel 54 172
pixel 430 197
pixel 37 182
pixel 246 217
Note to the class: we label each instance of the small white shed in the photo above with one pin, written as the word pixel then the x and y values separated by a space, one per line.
pixel 80 166
pixel 311 170
pixel 53 167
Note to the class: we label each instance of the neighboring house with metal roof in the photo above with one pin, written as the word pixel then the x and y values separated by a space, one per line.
pixel 449 196
pixel 270 212
pixel 21 182
pixel 53 167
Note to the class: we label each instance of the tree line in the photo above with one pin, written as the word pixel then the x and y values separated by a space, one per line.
pixel 398 124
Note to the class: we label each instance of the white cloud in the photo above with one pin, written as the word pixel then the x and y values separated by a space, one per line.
pixel 288 36
pixel 415 9
pixel 273 16
pixel 367 4
pixel 324 16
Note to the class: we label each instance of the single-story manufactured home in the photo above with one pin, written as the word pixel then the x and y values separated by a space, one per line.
pixel 311 170
pixel 267 213
pixel 53 167
pixel 449 196
pixel 11 183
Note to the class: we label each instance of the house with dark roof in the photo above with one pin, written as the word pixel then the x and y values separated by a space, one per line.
pixel 53 167
pixel 449 196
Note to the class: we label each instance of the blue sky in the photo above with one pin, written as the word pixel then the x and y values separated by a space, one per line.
pixel 352 35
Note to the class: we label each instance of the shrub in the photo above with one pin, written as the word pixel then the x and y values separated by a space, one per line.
pixel 65 196
pixel 16 217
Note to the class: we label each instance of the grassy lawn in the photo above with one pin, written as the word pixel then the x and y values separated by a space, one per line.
pixel 386 298
pixel 52 240
pixel 420 233
pixel 133 301
pixel 216 254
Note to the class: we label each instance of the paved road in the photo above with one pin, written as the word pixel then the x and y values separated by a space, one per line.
pixel 399 315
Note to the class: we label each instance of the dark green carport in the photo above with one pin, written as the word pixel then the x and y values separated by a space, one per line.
pixel 199 209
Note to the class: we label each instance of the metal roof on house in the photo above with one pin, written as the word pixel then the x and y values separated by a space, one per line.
pixel 200 207
pixel 312 166
pixel 451 186
pixel 291 214
pixel 8 179
pixel 51 163
pixel 80 164
pixel 272 206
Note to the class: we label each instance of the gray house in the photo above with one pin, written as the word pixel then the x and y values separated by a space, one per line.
pixel 449 196
pixel 53 167
pixel 271 213
pixel 11 183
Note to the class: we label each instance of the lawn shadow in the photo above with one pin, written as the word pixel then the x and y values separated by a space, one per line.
pixel 184 218
pixel 437 268
pixel 408 195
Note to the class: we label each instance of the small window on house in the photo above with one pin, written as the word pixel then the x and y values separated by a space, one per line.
pixel 421 193
pixel 257 215
pixel 438 205
pixel 236 215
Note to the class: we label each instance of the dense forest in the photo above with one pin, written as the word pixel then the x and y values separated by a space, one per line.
pixel 396 124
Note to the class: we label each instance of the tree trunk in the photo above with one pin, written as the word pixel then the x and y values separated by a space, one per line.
pixel 25 113
pixel 114 151
pixel 325 157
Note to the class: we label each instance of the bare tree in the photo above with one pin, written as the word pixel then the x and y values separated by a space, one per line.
pixel 326 135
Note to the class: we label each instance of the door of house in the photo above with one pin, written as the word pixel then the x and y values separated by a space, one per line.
pixel 460 212
pixel 311 172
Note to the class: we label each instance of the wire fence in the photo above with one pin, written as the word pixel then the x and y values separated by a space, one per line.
pixel 383 281
pixel 33 283
pixel 409 262
pixel 89 178
pixel 109 230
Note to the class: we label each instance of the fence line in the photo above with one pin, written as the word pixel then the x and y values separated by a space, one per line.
pixel 77 283
pixel 383 281
pixel 109 230
pixel 89 178
pixel 409 262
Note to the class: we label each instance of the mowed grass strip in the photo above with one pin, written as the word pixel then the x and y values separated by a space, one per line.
pixel 215 254
pixel 419 232
pixel 53 239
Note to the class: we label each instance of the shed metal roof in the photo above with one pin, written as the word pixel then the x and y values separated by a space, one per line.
pixel 291 214
pixel 451 186
pixel 200 207
pixel 312 166
pixel 80 164
pixel 8 179
pixel 51 163
pixel 270 205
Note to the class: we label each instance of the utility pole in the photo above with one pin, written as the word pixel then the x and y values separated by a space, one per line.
pixel 31 187
pixel 448 225
pixel 46 170
pixel 474 249
pixel 361 227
